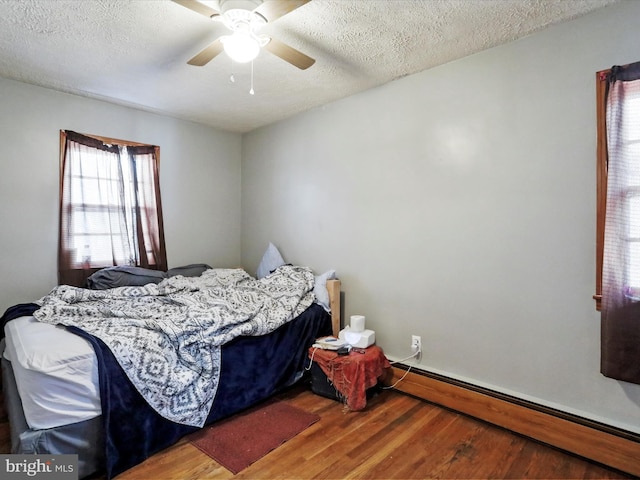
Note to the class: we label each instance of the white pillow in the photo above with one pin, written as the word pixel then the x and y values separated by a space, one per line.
pixel 270 261
pixel 320 289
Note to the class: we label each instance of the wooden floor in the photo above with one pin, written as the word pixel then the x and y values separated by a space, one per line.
pixel 396 437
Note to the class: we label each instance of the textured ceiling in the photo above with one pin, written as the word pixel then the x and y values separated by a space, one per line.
pixel 135 52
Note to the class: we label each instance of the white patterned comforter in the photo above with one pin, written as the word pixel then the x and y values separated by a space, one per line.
pixel 168 337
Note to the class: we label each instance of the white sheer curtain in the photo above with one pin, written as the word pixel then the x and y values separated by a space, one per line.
pixel 98 206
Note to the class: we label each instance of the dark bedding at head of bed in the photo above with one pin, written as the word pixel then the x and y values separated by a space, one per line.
pixel 253 369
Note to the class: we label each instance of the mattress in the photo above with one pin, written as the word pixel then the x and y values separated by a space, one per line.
pixel 57 386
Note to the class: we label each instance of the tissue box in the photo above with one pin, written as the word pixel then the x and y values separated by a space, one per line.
pixel 362 339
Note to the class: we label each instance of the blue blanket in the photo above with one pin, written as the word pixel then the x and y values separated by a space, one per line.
pixel 20 310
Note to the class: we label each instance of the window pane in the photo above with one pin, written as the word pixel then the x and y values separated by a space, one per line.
pixel 100 208
pixel 631 152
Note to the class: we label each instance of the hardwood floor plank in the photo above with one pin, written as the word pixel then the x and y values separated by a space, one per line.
pixel 511 450
pixel 395 437
pixel 409 461
pixel 375 447
pixel 476 452
pixel 341 435
pixel 453 443
pixel 412 461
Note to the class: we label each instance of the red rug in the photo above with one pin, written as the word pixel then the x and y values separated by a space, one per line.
pixel 239 441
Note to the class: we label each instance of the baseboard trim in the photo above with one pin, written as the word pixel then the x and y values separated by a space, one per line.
pixel 611 446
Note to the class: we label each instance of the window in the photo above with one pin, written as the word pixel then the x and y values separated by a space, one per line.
pixel 110 209
pixel 618 115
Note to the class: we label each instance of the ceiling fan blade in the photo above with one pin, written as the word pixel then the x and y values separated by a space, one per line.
pixel 208 54
pixel 273 9
pixel 289 54
pixel 198 7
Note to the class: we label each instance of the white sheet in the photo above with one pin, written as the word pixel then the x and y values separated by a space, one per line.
pixel 57 385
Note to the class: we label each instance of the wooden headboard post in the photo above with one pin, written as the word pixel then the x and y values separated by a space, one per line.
pixel 333 287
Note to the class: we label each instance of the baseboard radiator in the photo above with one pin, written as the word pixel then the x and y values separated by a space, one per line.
pixel 616 448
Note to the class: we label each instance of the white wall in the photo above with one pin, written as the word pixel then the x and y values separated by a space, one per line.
pixel 459 204
pixel 199 183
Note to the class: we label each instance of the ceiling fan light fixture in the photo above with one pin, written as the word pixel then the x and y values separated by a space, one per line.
pixel 245 19
pixel 241 47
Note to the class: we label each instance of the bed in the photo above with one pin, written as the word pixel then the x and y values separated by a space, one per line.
pixel 67 391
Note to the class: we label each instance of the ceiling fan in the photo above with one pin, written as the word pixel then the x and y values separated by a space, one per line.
pixel 245 18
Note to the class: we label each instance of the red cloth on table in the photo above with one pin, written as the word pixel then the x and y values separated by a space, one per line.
pixel 352 374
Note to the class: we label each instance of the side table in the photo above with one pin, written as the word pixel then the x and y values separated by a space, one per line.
pixel 352 374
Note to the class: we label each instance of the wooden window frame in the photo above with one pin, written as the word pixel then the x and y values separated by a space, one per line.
pixel 602 158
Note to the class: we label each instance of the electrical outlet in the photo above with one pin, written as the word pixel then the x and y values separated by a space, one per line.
pixel 416 345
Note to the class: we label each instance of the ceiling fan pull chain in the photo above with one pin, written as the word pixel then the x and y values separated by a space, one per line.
pixel 252 92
